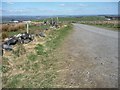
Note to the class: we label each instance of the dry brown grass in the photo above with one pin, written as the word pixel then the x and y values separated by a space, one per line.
pixel 4 35
pixel 12 27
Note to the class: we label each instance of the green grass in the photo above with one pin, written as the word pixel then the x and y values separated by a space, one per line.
pixel 78 18
pixel 14 81
pixel 14 33
pixel 41 27
pixel 109 26
pixel 32 27
pixel 47 83
pixel 20 50
pixel 106 26
pixel 57 37
pixel 49 62
pixel 37 29
pixel 85 18
pixel 4 67
pixel 40 67
pixel 32 57
pixel 40 49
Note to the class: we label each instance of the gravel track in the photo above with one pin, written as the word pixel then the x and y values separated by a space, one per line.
pixel 91 55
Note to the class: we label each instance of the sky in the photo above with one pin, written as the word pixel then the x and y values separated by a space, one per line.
pixel 60 0
pixel 58 8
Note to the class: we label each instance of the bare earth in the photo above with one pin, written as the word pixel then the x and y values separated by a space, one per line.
pixel 90 55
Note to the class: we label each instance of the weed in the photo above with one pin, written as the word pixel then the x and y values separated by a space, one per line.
pixel 20 50
pixel 32 57
pixel 14 81
pixel 49 77
pixel 40 49
pixel 5 68
pixel 5 64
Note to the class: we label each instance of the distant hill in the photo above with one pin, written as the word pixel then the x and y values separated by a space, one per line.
pixel 6 19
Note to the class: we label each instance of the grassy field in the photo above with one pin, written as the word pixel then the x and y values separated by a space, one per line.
pixel 75 18
pixel 112 25
pixel 108 26
pixel 37 68
pixel 98 21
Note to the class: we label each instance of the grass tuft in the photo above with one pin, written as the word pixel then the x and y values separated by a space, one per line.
pixel 32 57
pixel 40 49
pixel 19 51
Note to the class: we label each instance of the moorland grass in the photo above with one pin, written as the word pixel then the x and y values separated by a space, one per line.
pixel 40 67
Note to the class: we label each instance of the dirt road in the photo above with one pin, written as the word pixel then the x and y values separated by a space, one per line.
pixel 91 56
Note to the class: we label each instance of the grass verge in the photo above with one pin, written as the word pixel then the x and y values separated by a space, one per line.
pixel 105 26
pixel 37 70
pixel 57 37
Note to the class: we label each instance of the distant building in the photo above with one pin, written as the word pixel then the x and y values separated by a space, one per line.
pixel 112 17
pixel 27 21
pixel 14 21
pixel 108 19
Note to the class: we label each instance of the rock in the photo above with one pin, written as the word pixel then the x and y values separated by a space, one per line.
pixel 6 47
pixel 42 34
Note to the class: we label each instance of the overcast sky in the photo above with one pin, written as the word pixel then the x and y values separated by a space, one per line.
pixel 59 8
pixel 60 0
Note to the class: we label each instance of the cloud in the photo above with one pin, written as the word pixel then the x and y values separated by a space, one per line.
pixel 62 4
pixel 10 2
pixel 61 0
pixel 83 5
pixel 57 8
pixel 0 10
pixel 15 11
pixel 73 5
